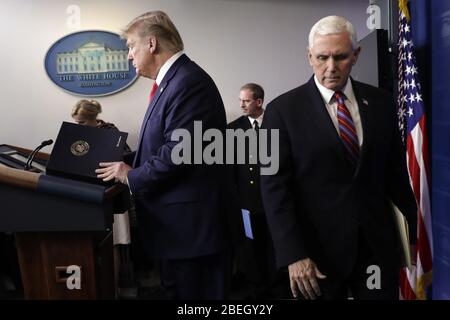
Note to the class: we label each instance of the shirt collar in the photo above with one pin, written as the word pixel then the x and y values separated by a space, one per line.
pixel 327 94
pixel 166 66
pixel 259 119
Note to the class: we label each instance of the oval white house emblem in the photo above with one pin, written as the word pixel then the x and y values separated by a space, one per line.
pixel 90 63
pixel 79 148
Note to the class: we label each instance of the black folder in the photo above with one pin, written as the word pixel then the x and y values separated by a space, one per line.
pixel 79 149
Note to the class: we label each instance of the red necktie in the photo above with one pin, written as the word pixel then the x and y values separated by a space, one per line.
pixel 152 93
pixel 347 130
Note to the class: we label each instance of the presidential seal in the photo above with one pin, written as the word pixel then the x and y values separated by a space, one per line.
pixel 79 148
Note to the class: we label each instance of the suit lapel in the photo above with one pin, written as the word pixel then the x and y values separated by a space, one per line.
pixel 364 107
pixel 324 126
pixel 149 111
pixel 245 123
pixel 165 81
pixel 162 86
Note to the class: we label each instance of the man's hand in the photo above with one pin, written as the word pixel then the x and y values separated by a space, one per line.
pixel 113 170
pixel 303 276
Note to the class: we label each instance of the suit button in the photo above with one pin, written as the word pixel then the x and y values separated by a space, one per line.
pixel 252 182
pixel 251 169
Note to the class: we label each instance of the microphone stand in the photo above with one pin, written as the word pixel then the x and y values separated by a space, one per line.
pixel 32 155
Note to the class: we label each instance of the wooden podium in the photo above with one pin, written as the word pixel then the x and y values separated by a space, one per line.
pixel 60 226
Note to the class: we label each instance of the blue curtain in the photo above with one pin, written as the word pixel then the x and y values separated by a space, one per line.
pixel 440 55
pixel 430 24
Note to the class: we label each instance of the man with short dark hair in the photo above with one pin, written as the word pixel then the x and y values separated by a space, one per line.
pixel 255 256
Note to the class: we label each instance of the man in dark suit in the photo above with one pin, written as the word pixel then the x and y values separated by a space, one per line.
pixel 341 162
pixel 255 256
pixel 180 208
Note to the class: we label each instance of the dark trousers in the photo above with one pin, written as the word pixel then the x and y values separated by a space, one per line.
pixel 256 260
pixel 199 278
pixel 359 284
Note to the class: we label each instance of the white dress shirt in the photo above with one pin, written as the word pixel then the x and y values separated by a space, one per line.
pixel 259 120
pixel 350 102
pixel 166 66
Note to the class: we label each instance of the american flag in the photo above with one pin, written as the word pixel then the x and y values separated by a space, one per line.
pixel 411 115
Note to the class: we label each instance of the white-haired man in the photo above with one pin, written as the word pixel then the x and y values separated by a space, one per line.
pixel 341 162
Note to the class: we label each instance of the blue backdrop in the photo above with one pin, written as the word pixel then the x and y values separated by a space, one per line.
pixel 440 55
pixel 430 24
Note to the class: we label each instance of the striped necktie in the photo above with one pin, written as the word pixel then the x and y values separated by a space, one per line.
pixel 347 130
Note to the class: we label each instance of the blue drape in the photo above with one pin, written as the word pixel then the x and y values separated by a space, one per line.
pixel 430 24
pixel 440 83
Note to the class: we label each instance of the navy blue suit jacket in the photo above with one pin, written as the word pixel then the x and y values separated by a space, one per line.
pixel 180 208
pixel 318 204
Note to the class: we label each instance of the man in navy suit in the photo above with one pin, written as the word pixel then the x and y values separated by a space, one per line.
pixel 180 208
pixel 341 163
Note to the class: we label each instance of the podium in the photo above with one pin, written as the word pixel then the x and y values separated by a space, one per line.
pixel 63 232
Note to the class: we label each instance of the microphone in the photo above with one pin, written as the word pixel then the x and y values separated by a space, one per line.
pixel 35 151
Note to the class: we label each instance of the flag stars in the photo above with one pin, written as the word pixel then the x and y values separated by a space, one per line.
pixel 408 70
pixel 410 112
pixel 412 98
pixel 404 99
pixel 406 84
pixel 406 28
pixel 418 97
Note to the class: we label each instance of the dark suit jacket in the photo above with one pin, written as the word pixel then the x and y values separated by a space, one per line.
pixel 180 208
pixel 247 175
pixel 317 203
pixel 255 257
